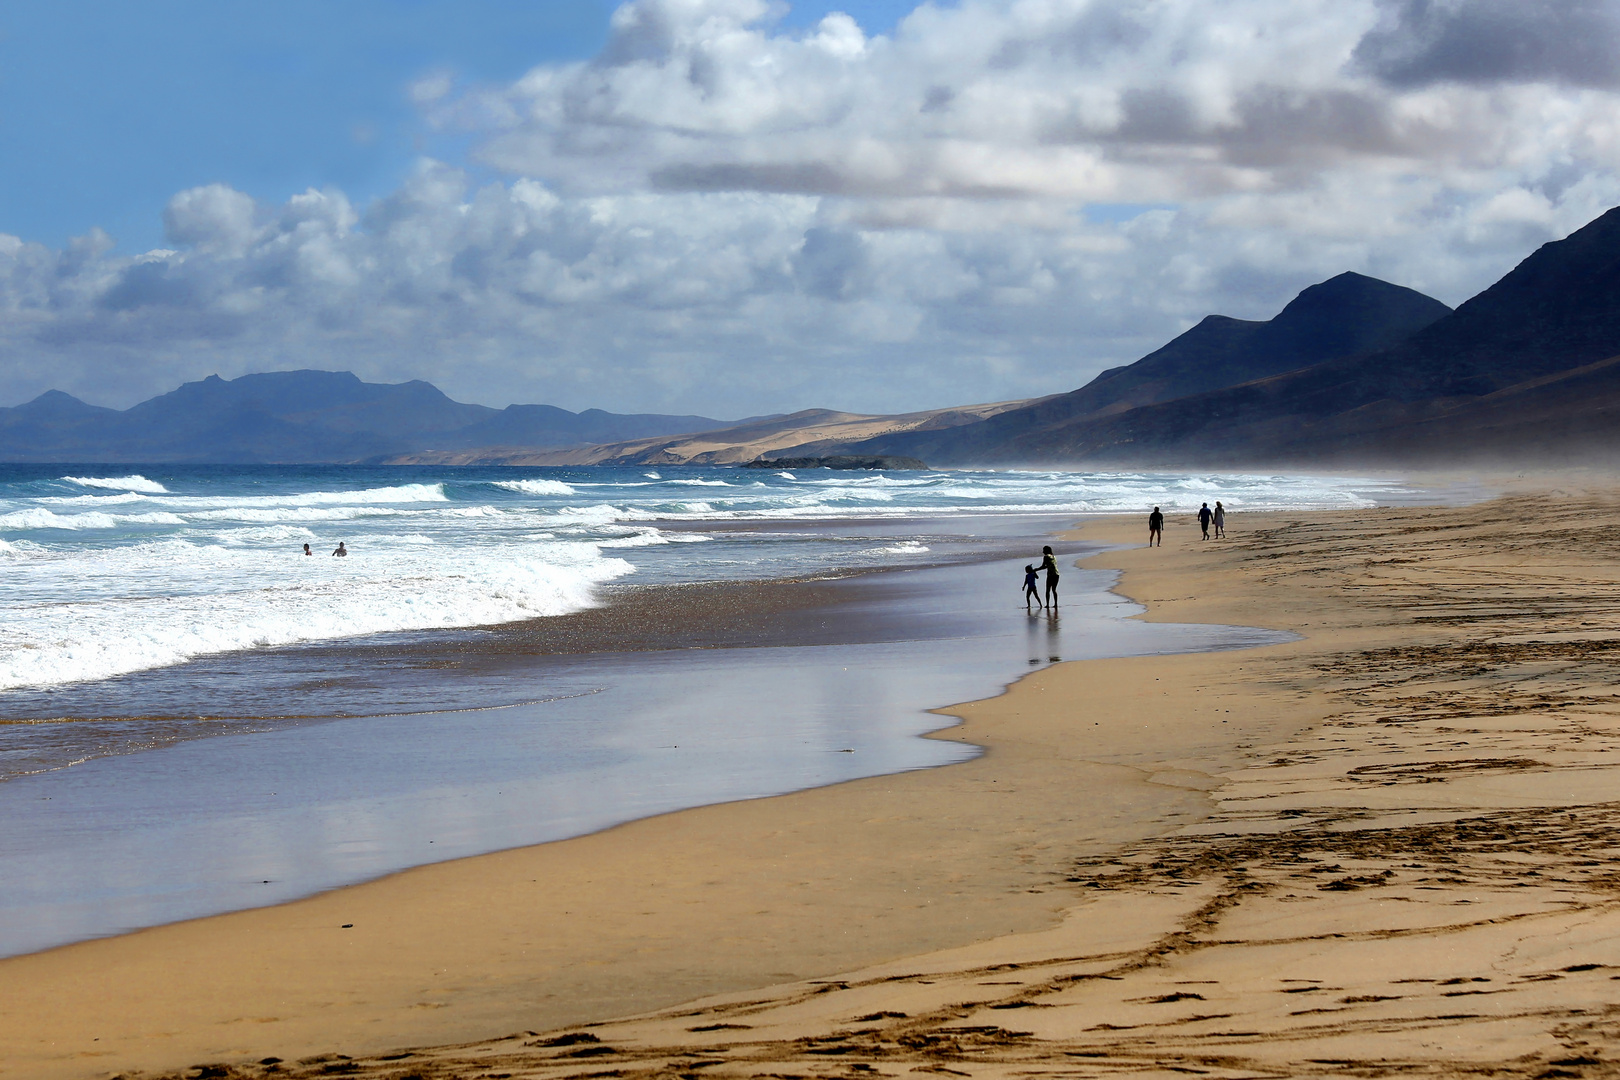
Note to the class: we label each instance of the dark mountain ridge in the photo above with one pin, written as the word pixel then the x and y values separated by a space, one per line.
pixel 302 417
pixel 1525 373
pixel 1518 374
pixel 1347 314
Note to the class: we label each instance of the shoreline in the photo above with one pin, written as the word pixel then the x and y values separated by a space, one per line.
pixel 706 703
pixel 135 971
pixel 1412 873
pixel 1339 816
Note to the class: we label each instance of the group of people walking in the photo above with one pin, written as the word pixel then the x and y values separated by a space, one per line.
pixel 1211 522
pixel 1207 519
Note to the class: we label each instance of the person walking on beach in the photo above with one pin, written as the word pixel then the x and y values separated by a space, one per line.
pixel 1049 564
pixel 1030 592
pixel 1204 516
pixel 1220 520
pixel 1155 528
pixel 341 552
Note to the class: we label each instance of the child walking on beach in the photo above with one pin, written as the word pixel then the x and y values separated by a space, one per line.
pixel 1030 591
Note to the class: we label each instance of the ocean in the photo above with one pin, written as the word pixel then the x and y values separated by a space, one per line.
pixel 195 716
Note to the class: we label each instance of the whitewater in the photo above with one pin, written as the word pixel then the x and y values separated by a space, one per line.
pixel 109 571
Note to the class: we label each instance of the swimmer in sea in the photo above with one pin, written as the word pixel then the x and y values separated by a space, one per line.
pixel 307 551
pixel 341 551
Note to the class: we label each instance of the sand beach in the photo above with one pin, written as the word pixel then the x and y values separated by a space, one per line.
pixel 1381 847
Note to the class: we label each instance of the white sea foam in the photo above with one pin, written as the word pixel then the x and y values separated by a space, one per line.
pixel 93 500
pixel 402 495
pixel 271 534
pixel 40 518
pixel 645 538
pixel 134 482
pixel 117 578
pixel 536 487
pixel 221 599
pixel 292 513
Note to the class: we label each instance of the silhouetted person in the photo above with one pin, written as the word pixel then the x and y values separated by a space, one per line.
pixel 1155 527
pixel 1049 564
pixel 1220 520
pixel 341 552
pixel 307 551
pixel 1030 592
pixel 1204 516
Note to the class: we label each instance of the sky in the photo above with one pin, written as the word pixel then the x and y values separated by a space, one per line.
pixel 733 207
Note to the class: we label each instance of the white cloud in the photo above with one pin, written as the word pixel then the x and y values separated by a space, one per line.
pixel 996 200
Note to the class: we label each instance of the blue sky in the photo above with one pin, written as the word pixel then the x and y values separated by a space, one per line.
pixel 109 107
pixel 736 207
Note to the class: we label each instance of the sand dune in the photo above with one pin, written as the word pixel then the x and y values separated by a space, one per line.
pixel 808 432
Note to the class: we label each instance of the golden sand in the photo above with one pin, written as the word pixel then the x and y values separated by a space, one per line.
pixel 1388 846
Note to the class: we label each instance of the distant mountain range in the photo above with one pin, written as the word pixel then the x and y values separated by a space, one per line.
pixel 1352 371
pixel 1345 316
pixel 302 416
pixel 1525 373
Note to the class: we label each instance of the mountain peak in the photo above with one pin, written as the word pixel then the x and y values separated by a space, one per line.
pixel 56 405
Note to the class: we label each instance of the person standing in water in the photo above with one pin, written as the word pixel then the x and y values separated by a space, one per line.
pixel 341 552
pixel 1155 528
pixel 307 551
pixel 1220 520
pixel 1049 564
pixel 1204 516
pixel 1030 592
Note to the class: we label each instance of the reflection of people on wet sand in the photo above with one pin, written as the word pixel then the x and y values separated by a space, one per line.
pixel 1155 527
pixel 1204 515
pixel 341 550
pixel 1030 592
pixel 1220 520
pixel 1049 564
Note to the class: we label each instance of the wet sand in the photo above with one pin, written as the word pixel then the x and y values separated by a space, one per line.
pixel 1385 847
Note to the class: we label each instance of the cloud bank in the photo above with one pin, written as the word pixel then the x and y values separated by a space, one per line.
pixel 995 201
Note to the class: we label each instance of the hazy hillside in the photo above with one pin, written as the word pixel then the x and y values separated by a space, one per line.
pixel 301 416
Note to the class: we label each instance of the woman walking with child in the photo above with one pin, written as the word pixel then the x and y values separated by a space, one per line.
pixel 1049 564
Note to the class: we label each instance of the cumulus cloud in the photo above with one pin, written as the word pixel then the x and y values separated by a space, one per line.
pixel 996 200
pixel 1095 100
pixel 1420 42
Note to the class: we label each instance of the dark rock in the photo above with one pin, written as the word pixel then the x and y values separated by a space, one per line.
pixel 838 461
